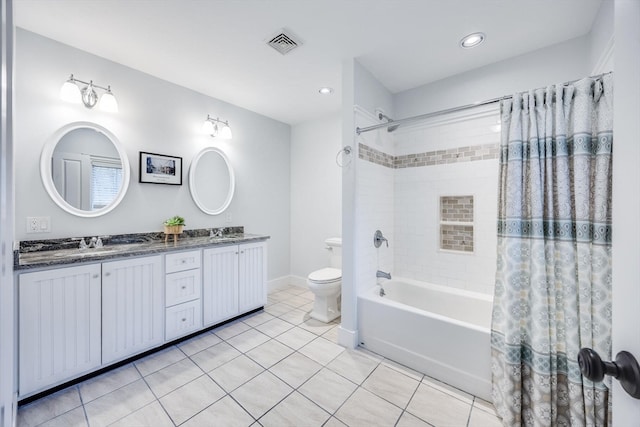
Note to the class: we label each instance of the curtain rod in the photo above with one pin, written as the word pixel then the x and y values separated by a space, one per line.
pixel 421 117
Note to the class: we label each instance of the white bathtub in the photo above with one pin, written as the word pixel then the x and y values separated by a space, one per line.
pixel 436 330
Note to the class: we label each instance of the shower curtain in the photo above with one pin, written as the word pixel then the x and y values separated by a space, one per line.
pixel 553 279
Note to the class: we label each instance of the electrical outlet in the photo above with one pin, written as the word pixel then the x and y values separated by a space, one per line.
pixel 228 217
pixel 38 224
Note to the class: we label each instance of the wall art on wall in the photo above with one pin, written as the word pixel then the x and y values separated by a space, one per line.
pixel 160 169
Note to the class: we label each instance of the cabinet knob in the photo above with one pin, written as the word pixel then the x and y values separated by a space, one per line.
pixel 184 261
pixel 95 276
pixel 183 287
pixel 184 320
pixel 107 274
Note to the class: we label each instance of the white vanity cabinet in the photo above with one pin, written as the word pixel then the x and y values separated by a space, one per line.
pixel 59 325
pixel 183 287
pixel 234 281
pixel 132 307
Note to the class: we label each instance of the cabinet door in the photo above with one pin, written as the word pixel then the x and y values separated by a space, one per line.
pixel 132 307
pixel 220 284
pixel 252 283
pixel 59 325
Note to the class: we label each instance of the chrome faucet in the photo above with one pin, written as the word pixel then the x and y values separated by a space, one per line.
pixel 378 238
pixel 382 274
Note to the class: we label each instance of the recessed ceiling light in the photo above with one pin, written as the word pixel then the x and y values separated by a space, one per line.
pixel 472 40
pixel 326 90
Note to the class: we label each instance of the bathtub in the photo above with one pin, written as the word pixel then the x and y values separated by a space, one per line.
pixel 436 330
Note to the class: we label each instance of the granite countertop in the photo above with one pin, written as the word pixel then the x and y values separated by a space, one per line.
pixel 50 253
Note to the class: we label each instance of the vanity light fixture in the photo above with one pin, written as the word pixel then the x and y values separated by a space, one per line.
pixel 71 92
pixel 210 127
pixel 472 40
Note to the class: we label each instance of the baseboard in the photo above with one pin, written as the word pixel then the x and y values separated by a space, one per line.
pixel 298 281
pixel 347 338
pixel 278 283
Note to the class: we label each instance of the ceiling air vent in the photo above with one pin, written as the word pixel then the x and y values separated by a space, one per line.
pixel 284 42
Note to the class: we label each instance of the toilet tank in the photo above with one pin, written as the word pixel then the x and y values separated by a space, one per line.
pixel 334 245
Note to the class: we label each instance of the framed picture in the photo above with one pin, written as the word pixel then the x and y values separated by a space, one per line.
pixel 160 169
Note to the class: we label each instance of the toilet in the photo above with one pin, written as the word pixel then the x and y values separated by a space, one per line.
pixel 326 284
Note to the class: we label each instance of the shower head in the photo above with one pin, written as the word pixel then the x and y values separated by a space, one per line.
pixel 382 116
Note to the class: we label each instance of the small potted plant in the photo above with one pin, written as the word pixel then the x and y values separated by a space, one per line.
pixel 173 225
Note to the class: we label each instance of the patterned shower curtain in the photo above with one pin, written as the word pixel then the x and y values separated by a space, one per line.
pixel 553 279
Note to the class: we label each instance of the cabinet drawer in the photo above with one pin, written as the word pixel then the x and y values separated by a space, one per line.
pixel 183 319
pixel 182 261
pixel 182 286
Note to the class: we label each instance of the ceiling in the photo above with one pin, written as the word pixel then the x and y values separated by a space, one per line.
pixel 218 47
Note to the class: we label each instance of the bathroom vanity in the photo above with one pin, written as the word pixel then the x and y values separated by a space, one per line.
pixel 80 311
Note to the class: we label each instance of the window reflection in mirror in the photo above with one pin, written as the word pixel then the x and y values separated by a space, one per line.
pixel 86 169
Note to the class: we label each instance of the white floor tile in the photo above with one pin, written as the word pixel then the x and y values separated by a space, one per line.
pixel 295 369
pixel 278 309
pixel 391 385
pixel 186 401
pixel 257 318
pixel 236 372
pixel 408 420
pixel 159 360
pixel 316 326
pixel 199 343
pixel 438 408
pixel 366 409
pixel 49 407
pixel 248 340
pixel 321 350
pixel 170 378
pixel 73 418
pixel 296 337
pixel 295 316
pixel 151 415
pixel 231 329
pixel 261 393
pixel 480 418
pixel 274 327
pixel 353 365
pixel 108 382
pixel 328 389
pixel 295 411
pixel 118 404
pixel 215 356
pixel 225 412
pixel 269 353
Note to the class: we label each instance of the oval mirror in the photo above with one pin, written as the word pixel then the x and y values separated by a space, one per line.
pixel 211 181
pixel 84 169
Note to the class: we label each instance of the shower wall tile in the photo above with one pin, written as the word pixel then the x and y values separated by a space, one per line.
pixel 460 159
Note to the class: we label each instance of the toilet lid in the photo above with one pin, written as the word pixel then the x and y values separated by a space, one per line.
pixel 326 275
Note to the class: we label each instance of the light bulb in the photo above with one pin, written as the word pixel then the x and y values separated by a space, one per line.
pixel 70 92
pixel 108 102
pixel 207 127
pixel 225 132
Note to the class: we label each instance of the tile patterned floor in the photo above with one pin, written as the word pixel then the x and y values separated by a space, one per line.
pixel 273 368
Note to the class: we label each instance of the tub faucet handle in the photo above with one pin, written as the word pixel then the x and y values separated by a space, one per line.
pixel 378 238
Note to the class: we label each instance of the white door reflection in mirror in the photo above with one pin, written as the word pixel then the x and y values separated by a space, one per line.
pixel 211 181
pixel 84 169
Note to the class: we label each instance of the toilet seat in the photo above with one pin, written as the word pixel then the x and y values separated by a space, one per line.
pixel 325 275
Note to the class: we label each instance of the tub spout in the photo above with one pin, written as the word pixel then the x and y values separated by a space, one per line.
pixel 382 274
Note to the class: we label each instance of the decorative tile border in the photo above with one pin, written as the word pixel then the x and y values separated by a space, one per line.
pixel 430 158
pixel 375 156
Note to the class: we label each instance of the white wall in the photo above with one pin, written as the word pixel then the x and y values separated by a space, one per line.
pixel 626 203
pixel 316 193
pixel 601 39
pixel 155 116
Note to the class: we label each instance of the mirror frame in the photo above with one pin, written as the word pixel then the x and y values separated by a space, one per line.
pixel 46 169
pixel 192 188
